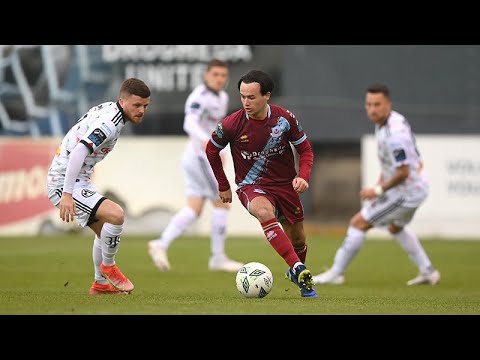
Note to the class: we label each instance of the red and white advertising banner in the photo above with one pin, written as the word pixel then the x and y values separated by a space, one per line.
pixel 23 171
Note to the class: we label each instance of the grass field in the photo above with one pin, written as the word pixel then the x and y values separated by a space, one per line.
pixel 52 275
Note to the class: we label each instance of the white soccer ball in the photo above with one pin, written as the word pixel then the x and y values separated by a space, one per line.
pixel 254 280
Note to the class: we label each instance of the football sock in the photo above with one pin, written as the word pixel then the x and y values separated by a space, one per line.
pixel 410 243
pixel 351 245
pixel 279 241
pixel 218 231
pixel 110 236
pixel 301 252
pixel 97 260
pixel 177 226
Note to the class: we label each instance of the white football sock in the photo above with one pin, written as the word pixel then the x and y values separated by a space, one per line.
pixel 350 247
pixel 97 260
pixel 179 223
pixel 218 231
pixel 410 243
pixel 110 240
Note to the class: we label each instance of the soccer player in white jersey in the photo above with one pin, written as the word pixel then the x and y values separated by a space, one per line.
pixel 206 105
pixel 392 202
pixel 69 180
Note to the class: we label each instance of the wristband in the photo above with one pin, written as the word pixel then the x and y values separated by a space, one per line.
pixel 378 189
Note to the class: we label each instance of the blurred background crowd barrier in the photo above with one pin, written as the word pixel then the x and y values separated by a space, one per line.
pixel 44 89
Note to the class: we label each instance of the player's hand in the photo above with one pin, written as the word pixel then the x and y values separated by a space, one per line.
pixel 367 193
pixel 67 207
pixel 299 185
pixel 225 196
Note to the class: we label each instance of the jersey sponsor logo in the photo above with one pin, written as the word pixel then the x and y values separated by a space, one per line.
pixel 87 193
pixel 97 136
pixel 195 105
pixel 261 155
pixel 399 154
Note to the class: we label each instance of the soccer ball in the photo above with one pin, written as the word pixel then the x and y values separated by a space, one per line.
pixel 254 280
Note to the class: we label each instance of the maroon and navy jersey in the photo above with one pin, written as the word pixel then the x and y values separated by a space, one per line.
pixel 261 150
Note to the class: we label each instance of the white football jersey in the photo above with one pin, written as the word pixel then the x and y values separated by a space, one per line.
pixel 203 110
pixel 98 130
pixel 397 146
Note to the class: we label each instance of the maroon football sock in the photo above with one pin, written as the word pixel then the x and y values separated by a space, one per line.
pixel 279 241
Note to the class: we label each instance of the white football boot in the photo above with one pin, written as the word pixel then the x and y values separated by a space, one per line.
pixel 223 263
pixel 159 256
pixel 430 278
pixel 328 277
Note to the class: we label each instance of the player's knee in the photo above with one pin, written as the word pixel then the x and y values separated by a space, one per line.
pixel 264 214
pixel 298 240
pixel 394 229
pixel 359 222
pixel 117 216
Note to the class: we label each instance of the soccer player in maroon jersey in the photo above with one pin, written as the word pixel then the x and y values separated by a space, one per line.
pixel 268 185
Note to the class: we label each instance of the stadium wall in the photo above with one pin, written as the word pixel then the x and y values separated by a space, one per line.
pixel 145 176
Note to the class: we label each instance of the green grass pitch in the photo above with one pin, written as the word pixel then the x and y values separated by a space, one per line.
pixel 52 275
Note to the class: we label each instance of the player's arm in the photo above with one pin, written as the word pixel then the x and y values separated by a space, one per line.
pixel 305 163
pixel 75 163
pixel 191 122
pixel 402 170
pixel 298 138
pixel 192 127
pixel 400 175
pixel 213 155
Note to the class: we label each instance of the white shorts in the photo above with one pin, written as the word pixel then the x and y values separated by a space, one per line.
pixel 387 210
pixel 199 178
pixel 87 200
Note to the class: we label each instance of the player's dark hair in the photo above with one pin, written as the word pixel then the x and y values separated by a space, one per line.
pixel 134 86
pixel 258 76
pixel 216 62
pixel 378 88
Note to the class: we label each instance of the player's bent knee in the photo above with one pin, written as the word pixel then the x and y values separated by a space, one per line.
pixel 263 214
pixel 111 212
pixel 117 217
pixel 359 222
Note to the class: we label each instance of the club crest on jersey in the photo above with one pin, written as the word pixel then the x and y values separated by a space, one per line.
pixel 87 193
pixel 219 130
pixel 244 139
pixel 281 127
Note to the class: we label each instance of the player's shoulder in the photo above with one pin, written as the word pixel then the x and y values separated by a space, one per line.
pixel 282 111
pixel 398 123
pixel 234 117
pixel 197 96
pixel 223 95
pixel 108 115
pixel 104 107
pixel 396 117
